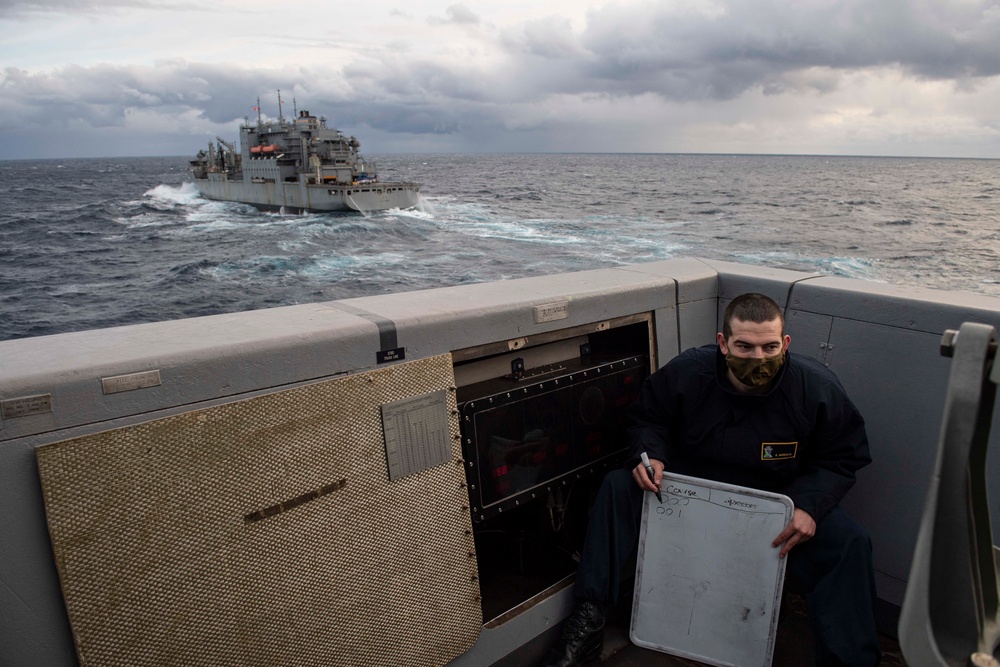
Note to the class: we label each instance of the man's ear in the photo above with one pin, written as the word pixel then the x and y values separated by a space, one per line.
pixel 722 343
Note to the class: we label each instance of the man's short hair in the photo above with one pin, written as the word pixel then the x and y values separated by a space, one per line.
pixel 751 307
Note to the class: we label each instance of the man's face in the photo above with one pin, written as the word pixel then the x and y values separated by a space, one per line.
pixel 757 341
pixel 754 340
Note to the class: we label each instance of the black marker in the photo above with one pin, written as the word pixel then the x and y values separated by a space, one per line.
pixel 652 475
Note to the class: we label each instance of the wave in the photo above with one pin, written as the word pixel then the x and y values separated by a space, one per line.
pixel 169 252
pixel 185 194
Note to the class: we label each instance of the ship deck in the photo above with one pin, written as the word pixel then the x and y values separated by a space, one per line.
pixel 793 647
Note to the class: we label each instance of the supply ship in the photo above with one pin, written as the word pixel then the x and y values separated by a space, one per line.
pixel 295 166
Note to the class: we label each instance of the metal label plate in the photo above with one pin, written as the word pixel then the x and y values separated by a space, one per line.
pixel 550 312
pixel 130 382
pixel 416 433
pixel 25 406
pixel 395 354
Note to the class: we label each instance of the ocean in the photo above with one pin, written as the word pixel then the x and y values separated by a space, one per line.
pixel 93 243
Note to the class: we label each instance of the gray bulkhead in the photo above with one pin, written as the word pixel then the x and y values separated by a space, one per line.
pixel 882 341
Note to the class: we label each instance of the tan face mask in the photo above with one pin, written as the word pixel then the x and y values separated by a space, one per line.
pixel 755 372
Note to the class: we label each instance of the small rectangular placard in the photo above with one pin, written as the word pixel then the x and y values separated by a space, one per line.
pixel 416 433
pixel 395 354
pixel 549 312
pixel 130 382
pixel 25 406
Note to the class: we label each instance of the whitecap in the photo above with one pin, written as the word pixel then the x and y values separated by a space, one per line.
pixel 185 194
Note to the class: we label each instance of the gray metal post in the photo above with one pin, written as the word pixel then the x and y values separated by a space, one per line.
pixel 952 604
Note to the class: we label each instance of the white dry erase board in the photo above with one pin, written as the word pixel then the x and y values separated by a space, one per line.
pixel 708 582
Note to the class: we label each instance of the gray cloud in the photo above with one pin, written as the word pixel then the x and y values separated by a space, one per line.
pixel 550 38
pixel 756 42
pixel 461 14
pixel 456 15
pixel 21 8
pixel 624 51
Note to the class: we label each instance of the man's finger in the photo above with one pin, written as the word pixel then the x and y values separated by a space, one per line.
pixel 784 535
pixel 791 542
pixel 642 479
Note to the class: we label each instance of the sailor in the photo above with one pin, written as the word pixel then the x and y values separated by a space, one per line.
pixel 745 412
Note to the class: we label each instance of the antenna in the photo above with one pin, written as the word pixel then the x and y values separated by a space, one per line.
pixel 295 109
pixel 281 119
pixel 258 111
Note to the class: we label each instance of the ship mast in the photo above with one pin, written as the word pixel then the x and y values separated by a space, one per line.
pixel 281 119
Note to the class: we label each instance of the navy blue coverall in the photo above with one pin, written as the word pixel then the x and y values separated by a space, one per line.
pixel 803 438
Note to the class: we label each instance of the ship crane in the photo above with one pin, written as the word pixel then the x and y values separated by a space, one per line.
pixel 231 147
pixel 234 159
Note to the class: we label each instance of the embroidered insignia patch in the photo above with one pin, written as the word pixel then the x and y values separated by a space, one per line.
pixel 770 451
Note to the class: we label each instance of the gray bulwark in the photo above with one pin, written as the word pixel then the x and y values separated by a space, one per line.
pixel 881 340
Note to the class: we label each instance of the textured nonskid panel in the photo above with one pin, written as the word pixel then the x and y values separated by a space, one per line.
pixel 266 532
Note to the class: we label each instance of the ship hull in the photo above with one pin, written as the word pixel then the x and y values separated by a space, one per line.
pixel 302 197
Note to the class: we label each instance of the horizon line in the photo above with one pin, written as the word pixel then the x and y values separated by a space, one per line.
pixel 468 153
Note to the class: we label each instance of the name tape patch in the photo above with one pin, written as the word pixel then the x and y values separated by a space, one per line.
pixel 771 451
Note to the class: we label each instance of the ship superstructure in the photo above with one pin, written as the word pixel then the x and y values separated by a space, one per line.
pixel 295 166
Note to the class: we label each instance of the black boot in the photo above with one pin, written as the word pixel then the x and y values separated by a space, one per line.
pixel 582 638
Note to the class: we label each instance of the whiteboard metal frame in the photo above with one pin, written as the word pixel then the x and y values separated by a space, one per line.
pixel 708 582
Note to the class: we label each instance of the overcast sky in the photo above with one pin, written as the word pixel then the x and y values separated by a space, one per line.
pixel 162 77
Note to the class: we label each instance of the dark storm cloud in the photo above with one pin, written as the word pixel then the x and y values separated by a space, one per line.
pixel 97 95
pixel 100 95
pixel 417 80
pixel 755 43
pixel 61 105
pixel 415 119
